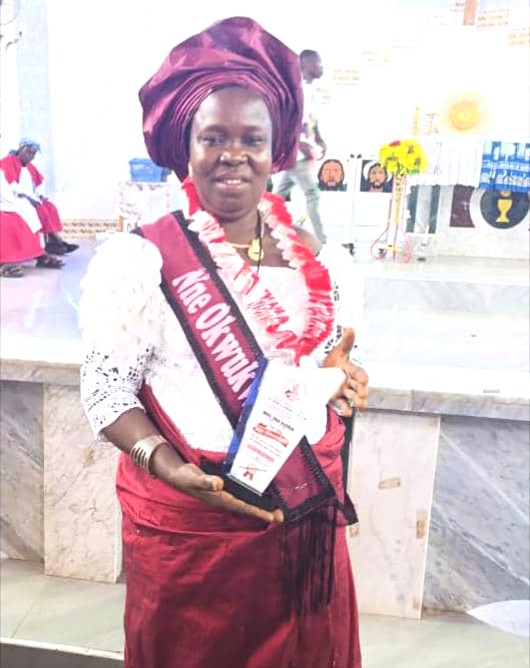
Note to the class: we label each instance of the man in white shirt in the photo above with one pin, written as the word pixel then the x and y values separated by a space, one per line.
pixel 312 146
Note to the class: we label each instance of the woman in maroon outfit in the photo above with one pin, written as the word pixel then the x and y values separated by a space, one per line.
pixel 215 581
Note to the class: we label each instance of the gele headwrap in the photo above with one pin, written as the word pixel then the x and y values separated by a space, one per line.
pixel 233 52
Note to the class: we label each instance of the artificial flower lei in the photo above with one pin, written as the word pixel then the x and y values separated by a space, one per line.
pixel 257 300
pixel 403 157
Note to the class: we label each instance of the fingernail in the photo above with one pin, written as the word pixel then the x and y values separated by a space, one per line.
pixel 216 484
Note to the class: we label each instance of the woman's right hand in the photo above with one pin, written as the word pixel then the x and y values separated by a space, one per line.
pixel 190 479
pixel 167 465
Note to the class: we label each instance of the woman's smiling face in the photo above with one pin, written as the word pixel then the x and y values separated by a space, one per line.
pixel 230 152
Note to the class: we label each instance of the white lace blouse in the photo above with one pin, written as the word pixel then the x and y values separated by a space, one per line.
pixel 131 335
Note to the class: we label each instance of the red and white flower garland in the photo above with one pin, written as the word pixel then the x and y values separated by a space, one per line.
pixel 243 281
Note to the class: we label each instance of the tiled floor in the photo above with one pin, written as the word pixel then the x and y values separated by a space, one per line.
pixel 56 611
pixel 59 610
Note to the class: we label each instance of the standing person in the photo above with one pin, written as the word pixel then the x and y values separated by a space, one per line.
pixel 28 183
pixel 312 146
pixel 174 321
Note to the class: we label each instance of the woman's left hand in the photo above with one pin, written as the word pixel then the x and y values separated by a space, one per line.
pixel 354 390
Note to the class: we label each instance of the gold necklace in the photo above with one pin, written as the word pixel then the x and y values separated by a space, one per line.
pixel 254 249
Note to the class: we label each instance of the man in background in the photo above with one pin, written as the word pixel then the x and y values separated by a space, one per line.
pixel 26 215
pixel 312 146
pixel 27 186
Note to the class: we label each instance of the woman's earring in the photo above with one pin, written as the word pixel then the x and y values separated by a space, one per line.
pixel 190 169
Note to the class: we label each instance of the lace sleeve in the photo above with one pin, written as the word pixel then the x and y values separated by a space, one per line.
pixel 120 314
pixel 109 386
pixel 348 297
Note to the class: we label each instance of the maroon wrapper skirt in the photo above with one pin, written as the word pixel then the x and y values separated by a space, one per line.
pixel 204 590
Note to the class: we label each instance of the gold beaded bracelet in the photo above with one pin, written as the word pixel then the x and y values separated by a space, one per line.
pixel 143 450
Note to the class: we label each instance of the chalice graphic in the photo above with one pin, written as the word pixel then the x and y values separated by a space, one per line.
pixel 504 204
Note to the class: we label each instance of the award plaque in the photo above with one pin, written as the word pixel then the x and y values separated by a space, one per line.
pixel 274 418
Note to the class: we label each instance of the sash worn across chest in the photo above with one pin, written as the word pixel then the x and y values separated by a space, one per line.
pixel 218 334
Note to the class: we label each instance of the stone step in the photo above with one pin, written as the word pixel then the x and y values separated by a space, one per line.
pixel 446 338
pixel 469 295
pixel 26 654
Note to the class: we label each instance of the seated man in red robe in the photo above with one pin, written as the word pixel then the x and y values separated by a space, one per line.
pixel 26 216
pixel 27 182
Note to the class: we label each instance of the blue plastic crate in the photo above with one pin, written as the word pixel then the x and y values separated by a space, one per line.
pixel 143 169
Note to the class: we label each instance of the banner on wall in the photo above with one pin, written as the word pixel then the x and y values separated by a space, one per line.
pixel 335 176
pixel 332 176
pixel 375 178
pixel 499 209
pixel 372 201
